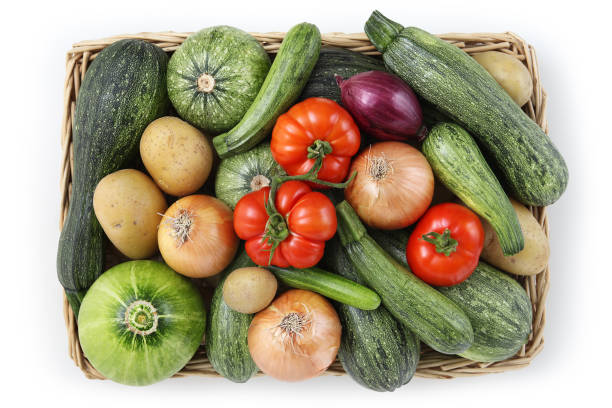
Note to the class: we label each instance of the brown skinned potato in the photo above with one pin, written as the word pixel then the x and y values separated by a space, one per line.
pixel 249 290
pixel 509 72
pixel 128 205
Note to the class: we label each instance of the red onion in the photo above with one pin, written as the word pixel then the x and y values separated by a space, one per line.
pixel 383 106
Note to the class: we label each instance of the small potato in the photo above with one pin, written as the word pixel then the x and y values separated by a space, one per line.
pixel 509 72
pixel 249 290
pixel 532 259
pixel 177 155
pixel 128 205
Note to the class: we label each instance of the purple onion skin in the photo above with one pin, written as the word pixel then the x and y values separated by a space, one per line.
pixel 383 106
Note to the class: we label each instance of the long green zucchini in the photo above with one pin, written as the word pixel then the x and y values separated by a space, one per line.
pixel 290 70
pixel 329 285
pixel 532 168
pixel 124 90
pixel 459 165
pixel 499 310
pixel 226 332
pixel 375 349
pixel 435 319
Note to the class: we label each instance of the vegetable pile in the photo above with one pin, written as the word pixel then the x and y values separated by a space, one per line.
pixel 299 193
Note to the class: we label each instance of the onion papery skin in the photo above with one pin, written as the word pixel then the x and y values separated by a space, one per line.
pixel 383 106
pixel 211 244
pixel 304 356
pixel 401 196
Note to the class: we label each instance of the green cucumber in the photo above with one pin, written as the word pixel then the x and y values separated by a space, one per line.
pixel 226 333
pixel 290 70
pixel 124 90
pixel 214 76
pixel 245 172
pixel 141 322
pixel 329 285
pixel 337 61
pixel 499 310
pixel 435 319
pixel 375 349
pixel 532 168
pixel 457 162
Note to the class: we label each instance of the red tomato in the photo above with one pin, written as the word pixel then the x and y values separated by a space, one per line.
pixel 315 125
pixel 445 245
pixel 309 218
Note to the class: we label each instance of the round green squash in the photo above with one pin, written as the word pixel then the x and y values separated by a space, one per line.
pixel 215 75
pixel 141 322
pixel 245 172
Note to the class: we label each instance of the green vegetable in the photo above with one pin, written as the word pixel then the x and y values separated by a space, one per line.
pixel 214 76
pixel 245 172
pixel 124 89
pixel 329 285
pixel 141 322
pixel 226 333
pixel 392 242
pixel 449 78
pixel 459 165
pixel 500 312
pixel 337 61
pixel 375 350
pixel 435 319
pixel 290 70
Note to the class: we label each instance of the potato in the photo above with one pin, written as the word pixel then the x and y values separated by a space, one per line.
pixel 128 205
pixel 509 72
pixel 532 259
pixel 249 290
pixel 177 155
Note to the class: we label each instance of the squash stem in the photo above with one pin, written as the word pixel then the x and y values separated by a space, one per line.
pixel 381 31
pixel 350 228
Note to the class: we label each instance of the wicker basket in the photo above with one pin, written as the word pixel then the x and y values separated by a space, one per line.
pixel 432 364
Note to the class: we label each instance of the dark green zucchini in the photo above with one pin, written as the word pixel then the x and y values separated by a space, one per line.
pixel 337 61
pixel 328 284
pixel 124 90
pixel 435 319
pixel 375 349
pixel 245 172
pixel 392 242
pixel 499 310
pixel 214 76
pixel 290 70
pixel 459 165
pixel 226 332
pixel 458 85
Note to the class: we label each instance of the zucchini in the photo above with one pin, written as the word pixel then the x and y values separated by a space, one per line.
pixel 531 166
pixel 124 90
pixel 457 162
pixel 375 349
pixel 290 70
pixel 245 172
pixel 393 242
pixel 435 319
pixel 226 332
pixel 329 285
pixel 337 61
pixel 214 76
pixel 499 310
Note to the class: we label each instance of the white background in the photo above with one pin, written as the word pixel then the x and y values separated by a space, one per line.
pixel 573 48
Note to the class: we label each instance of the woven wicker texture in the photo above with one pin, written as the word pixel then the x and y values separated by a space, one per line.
pixel 432 364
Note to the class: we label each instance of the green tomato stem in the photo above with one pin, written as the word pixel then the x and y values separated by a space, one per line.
pixel 445 244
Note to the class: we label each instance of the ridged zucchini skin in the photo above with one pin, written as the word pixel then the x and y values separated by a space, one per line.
pixel 226 332
pixel 435 319
pixel 328 284
pixel 499 310
pixel 235 174
pixel 457 162
pixel 337 61
pixel 290 70
pixel 532 168
pixel 392 242
pixel 234 59
pixel 124 90
pixel 375 349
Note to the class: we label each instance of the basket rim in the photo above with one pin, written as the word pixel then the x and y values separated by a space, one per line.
pixel 431 365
